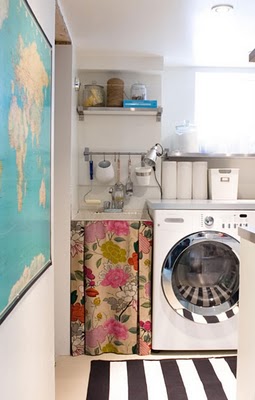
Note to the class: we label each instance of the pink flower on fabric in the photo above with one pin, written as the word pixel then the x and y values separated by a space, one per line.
pixel 94 231
pixel 88 273
pixel 147 289
pixel 115 278
pixel 118 227
pixel 95 336
pixel 146 325
pixel 144 244
pixel 77 244
pixel 116 329
pixel 144 348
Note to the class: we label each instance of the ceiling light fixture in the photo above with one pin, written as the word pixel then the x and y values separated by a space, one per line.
pixel 222 8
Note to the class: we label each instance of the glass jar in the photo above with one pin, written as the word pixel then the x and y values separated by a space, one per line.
pixel 138 91
pixel 93 96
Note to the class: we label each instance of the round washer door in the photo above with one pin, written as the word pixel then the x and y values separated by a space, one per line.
pixel 200 277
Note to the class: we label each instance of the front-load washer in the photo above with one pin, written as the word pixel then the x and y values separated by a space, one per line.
pixel 195 281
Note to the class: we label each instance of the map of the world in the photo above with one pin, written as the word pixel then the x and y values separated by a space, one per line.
pixel 25 126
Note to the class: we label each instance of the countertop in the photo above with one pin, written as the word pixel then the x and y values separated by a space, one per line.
pixel 201 204
pixel 126 215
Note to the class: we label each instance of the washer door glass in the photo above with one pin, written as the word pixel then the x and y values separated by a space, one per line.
pixel 200 277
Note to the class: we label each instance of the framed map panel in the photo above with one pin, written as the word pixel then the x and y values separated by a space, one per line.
pixel 25 152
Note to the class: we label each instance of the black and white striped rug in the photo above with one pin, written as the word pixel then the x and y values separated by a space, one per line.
pixel 172 379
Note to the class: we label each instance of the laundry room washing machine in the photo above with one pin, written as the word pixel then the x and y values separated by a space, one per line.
pixel 195 279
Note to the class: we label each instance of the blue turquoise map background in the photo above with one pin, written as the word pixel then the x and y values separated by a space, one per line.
pixel 25 126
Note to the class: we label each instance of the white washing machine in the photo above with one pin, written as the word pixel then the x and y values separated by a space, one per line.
pixel 195 281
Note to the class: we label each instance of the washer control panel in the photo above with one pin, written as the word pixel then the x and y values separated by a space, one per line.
pixel 208 221
pixel 182 222
pixel 227 221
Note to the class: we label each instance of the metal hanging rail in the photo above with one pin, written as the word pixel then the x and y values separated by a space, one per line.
pixel 88 153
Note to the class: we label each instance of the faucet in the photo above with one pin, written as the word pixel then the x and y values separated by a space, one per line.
pixel 117 203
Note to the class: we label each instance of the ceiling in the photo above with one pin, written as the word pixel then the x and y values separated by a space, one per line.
pixel 184 32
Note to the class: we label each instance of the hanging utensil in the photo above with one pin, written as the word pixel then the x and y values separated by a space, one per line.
pixel 129 184
pixel 90 177
pixel 118 169
pixel 91 168
pixel 118 189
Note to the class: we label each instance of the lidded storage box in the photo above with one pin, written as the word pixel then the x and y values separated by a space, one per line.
pixel 223 183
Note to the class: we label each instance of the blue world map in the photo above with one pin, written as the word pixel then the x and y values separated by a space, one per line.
pixel 25 143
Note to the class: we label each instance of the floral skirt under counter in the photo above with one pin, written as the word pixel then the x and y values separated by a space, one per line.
pixel 111 287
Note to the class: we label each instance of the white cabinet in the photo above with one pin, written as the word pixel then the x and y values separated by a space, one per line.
pixel 246 330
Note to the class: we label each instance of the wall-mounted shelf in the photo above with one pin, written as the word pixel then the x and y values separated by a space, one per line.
pixel 179 155
pixel 82 111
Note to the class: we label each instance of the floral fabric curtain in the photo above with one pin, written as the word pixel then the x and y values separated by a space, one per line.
pixel 111 287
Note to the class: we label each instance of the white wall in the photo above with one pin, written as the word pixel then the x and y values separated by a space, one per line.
pixel 178 104
pixel 179 98
pixel 27 345
pixel 178 101
pixel 62 195
pixel 27 334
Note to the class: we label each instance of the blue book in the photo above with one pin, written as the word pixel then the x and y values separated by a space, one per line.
pixel 140 103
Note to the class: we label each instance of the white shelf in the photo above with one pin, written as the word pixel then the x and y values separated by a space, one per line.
pixel 82 111
pixel 179 155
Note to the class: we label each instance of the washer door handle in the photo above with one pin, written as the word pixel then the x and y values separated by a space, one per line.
pixel 174 220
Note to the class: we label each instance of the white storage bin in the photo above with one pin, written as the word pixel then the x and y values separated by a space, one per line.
pixel 223 183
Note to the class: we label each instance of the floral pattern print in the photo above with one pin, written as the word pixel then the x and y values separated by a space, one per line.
pixel 77 288
pixel 111 287
pixel 115 277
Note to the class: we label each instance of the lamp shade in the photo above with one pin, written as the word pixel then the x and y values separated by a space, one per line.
pixel 151 156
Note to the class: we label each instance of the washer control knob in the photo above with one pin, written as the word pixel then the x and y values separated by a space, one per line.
pixel 209 221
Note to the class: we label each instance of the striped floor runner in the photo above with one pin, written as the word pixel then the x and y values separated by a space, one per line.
pixel 172 379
